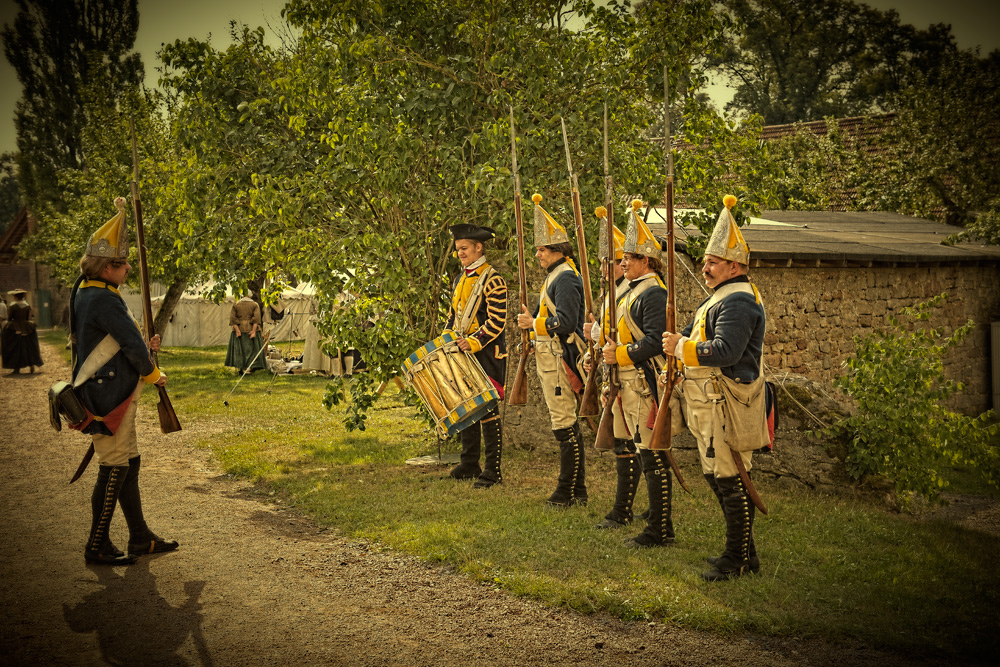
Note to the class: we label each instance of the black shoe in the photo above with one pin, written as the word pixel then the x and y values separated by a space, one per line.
pixel 659 529
pixel 462 471
pixel 646 541
pixel 725 569
pixel 555 501
pixel 483 482
pixel 151 545
pixel 754 563
pixel 571 488
pixel 737 559
pixel 468 467
pixel 99 549
pixel 492 431
pixel 107 555
pixel 611 523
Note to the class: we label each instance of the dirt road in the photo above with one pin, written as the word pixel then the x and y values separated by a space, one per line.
pixel 254 584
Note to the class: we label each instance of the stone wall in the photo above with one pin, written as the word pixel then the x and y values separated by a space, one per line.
pixel 813 315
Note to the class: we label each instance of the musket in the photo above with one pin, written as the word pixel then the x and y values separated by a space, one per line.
pixel 168 418
pixel 518 394
pixel 662 427
pixel 605 439
pixel 589 405
pixel 263 346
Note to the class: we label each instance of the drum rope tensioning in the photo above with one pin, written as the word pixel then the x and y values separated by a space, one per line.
pixel 451 384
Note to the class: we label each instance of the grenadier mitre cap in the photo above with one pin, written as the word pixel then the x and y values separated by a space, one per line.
pixel 638 239
pixel 111 240
pixel 471 232
pixel 547 230
pixel 602 243
pixel 727 241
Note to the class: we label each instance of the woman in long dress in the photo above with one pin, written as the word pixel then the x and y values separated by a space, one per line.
pixel 20 340
pixel 245 339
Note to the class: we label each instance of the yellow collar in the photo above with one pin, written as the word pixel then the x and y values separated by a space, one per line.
pixel 100 283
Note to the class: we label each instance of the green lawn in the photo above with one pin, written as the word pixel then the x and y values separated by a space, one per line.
pixel 837 568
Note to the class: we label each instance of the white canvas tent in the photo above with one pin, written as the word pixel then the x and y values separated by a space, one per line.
pixel 198 322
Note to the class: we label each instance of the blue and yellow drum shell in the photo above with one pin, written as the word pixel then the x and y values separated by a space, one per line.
pixel 453 408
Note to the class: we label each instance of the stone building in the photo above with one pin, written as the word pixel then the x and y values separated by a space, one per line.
pixel 49 299
pixel 829 276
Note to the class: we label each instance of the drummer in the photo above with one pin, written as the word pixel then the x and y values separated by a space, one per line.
pixel 479 312
pixel 557 328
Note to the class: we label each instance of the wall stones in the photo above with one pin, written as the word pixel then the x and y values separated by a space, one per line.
pixel 813 315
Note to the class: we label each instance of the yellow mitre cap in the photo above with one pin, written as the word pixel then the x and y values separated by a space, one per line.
pixel 111 240
pixel 602 244
pixel 727 240
pixel 547 230
pixel 638 239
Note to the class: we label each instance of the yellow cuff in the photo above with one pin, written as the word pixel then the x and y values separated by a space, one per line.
pixel 621 354
pixel 474 344
pixel 691 353
pixel 152 377
pixel 540 327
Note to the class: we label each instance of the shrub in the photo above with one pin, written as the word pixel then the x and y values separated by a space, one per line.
pixel 901 430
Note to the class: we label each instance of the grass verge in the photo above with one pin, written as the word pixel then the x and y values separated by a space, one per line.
pixel 833 567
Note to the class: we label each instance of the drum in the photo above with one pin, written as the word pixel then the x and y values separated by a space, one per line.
pixel 453 386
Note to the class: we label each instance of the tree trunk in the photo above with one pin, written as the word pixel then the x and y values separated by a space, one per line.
pixel 170 300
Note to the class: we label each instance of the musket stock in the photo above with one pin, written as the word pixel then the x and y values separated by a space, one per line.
pixel 164 408
pixel 518 393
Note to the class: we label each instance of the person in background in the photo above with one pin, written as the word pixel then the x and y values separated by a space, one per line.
pixel 20 339
pixel 637 352
pixel 245 339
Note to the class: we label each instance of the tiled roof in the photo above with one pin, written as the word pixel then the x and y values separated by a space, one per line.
pixel 862 128
pixel 807 239
pixel 15 232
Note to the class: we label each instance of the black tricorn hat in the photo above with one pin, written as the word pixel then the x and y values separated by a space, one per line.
pixel 471 232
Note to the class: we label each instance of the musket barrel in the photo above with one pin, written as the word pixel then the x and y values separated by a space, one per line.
pixel 518 394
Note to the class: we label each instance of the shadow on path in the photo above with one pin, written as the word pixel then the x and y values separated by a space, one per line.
pixel 134 623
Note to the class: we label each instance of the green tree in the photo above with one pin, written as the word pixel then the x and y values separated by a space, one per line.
pixel 938 154
pixel 932 158
pixel 230 139
pixel 802 60
pixel 57 48
pixel 343 158
pixel 88 194
pixel 10 191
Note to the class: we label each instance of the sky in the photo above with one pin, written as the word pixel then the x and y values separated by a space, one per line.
pixel 974 23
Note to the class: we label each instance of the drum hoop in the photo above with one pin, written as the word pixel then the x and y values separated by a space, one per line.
pixel 467 368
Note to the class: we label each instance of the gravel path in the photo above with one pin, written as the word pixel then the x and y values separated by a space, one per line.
pixel 256 584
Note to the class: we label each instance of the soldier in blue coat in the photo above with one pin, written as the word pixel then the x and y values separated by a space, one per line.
pixel 111 366
pixel 557 331
pixel 722 350
pixel 639 357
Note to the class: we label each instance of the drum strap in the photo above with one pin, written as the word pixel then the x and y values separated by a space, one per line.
pixel 472 305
